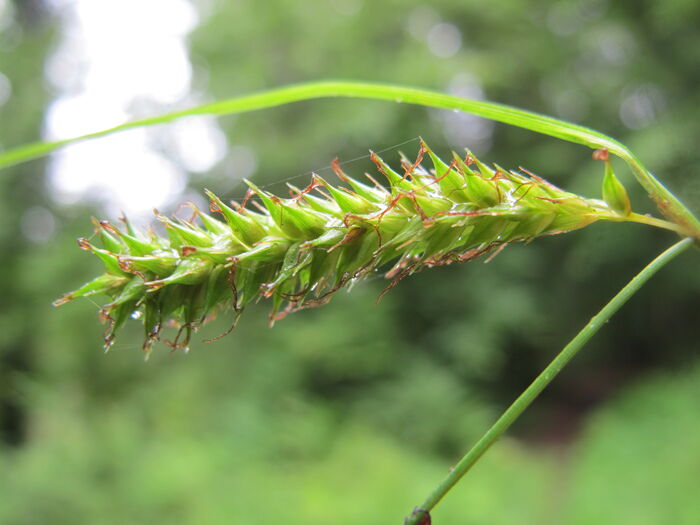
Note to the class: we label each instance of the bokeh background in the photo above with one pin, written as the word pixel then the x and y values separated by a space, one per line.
pixel 350 413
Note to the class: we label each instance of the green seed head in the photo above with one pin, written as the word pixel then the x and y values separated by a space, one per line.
pixel 299 251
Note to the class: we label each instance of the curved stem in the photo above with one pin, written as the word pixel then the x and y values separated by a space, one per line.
pixel 669 205
pixel 546 377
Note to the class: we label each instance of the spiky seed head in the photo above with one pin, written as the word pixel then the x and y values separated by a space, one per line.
pixel 300 250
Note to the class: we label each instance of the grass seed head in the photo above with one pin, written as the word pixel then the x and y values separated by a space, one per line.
pixel 299 251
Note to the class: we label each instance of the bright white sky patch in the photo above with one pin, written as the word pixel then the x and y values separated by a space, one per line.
pixel 119 59
pixel 199 142
pixel 134 182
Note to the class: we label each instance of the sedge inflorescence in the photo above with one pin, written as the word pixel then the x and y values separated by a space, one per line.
pixel 298 251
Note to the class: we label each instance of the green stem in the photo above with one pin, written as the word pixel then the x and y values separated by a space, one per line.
pixel 547 375
pixel 653 221
pixel 669 205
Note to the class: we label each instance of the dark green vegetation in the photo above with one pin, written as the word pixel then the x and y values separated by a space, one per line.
pixel 308 422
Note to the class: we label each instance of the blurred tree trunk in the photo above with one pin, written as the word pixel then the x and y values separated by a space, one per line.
pixel 23 47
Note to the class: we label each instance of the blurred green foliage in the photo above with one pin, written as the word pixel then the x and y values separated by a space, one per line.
pixel 644 445
pixel 353 412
